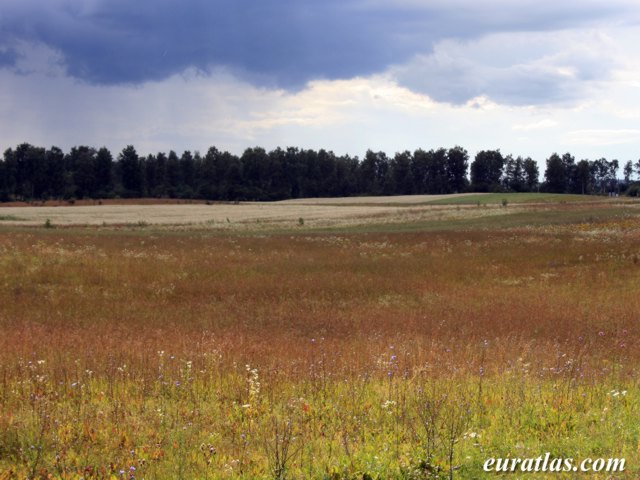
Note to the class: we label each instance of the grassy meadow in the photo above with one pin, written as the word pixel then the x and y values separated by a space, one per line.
pixel 518 198
pixel 409 350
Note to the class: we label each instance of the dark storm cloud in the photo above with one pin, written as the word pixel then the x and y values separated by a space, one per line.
pixel 284 43
pixel 8 57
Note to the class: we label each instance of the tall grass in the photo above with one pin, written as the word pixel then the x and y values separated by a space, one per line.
pixel 414 355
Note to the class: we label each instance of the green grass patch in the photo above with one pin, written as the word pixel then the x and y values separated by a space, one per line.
pixel 10 218
pixel 397 429
pixel 518 219
pixel 497 198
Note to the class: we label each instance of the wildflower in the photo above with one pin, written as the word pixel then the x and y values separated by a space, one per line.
pixel 617 393
pixel 388 404
pixel 254 382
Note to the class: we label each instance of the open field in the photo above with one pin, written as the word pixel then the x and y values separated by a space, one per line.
pixel 221 215
pixel 315 213
pixel 410 348
pixel 532 198
pixel 453 199
pixel 392 200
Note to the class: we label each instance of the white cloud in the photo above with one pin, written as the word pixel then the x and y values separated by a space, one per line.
pixel 602 137
pixel 517 68
pixel 537 125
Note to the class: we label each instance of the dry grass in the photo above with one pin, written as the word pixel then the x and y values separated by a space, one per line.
pixel 269 216
pixel 457 288
pixel 232 216
pixel 121 343
pixel 101 201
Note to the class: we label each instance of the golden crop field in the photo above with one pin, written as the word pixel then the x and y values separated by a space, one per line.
pixel 244 215
pixel 409 344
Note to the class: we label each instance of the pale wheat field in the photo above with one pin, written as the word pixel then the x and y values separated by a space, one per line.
pixel 310 212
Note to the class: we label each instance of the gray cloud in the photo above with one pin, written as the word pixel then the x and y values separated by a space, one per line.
pixel 512 68
pixel 285 42
pixel 271 42
pixel 8 57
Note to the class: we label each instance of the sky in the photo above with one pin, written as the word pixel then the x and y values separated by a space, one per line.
pixel 528 77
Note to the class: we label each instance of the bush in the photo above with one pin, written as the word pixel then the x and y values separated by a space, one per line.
pixel 633 190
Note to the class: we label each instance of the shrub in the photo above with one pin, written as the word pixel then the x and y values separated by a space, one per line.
pixel 634 190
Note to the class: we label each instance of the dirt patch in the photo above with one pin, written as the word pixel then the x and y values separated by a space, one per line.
pixel 110 201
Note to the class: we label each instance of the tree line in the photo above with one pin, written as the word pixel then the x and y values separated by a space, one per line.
pixel 34 173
